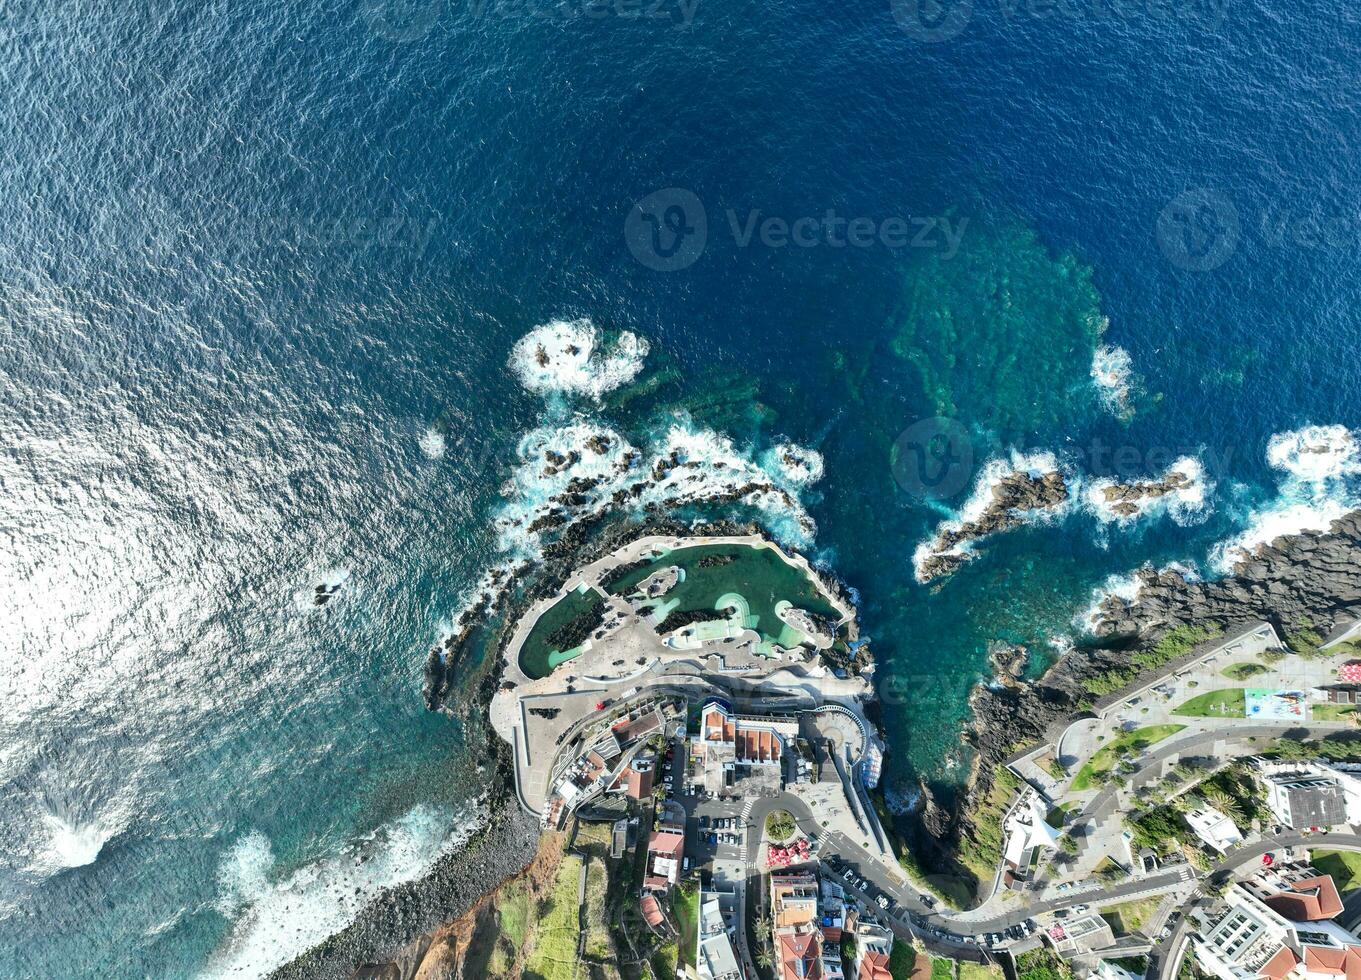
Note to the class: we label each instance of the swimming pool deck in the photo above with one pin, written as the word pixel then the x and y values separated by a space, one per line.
pixel 631 662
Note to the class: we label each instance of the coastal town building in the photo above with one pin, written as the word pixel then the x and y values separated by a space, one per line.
pixel 742 754
pixel 1081 934
pixel 1309 795
pixel 793 899
pixel 873 947
pixel 795 927
pixel 665 850
pixel 715 957
pixel 1278 923
pixel 1027 834
pixel 1215 829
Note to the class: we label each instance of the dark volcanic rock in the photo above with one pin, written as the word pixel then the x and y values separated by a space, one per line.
pixel 1127 499
pixel 1014 497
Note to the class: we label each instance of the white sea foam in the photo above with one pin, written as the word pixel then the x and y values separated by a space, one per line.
pixel 684 465
pixel 73 844
pixel 1126 588
pixel 799 465
pixel 1185 506
pixel 1320 464
pixel 433 443
pixel 1315 452
pixel 566 356
pixel 1113 374
pixel 278 915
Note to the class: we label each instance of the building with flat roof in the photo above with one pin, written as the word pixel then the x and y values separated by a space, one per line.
pixel 1082 934
pixel 715 957
pixel 1243 939
pixel 1308 795
pixel 793 899
pixel 1216 830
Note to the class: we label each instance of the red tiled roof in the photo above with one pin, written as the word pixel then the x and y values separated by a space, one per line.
pixel 1308 900
pixel 800 955
pixel 652 912
pixel 874 966
pixel 640 783
pixel 1279 965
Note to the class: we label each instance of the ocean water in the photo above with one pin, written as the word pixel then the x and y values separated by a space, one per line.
pixel 264 270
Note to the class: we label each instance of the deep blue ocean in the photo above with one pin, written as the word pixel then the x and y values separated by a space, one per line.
pixel 263 267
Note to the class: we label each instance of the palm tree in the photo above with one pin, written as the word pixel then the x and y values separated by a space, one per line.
pixel 764 959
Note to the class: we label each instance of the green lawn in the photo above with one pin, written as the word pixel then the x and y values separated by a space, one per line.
pixel 1241 672
pixel 1344 866
pixel 686 909
pixel 554 956
pixel 901 960
pixel 1131 916
pixel 942 968
pixel 1226 703
pixel 758 575
pixel 1105 759
pixel 539 656
pixel 978 971
pixel 1333 712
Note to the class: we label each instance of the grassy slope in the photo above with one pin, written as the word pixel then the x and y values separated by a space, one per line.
pixel 1105 759
pixel 1226 703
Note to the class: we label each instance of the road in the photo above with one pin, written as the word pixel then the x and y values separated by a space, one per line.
pixel 1163 966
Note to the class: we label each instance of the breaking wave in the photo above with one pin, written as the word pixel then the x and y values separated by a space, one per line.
pixel 1113 375
pixel 1319 464
pixel 280 915
pixel 567 356
pixel 1186 506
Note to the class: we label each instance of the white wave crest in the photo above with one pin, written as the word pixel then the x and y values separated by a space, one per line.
pixel 993 473
pixel 1315 452
pixel 566 356
pixel 1278 520
pixel 1320 464
pixel 569 472
pixel 433 443
pixel 1125 588
pixel 73 844
pixel 1186 506
pixel 277 917
pixel 1113 374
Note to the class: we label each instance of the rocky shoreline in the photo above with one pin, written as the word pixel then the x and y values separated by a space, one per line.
pixel 1297 583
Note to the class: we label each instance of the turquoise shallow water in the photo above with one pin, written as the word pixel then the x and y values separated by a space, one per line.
pixel 262 271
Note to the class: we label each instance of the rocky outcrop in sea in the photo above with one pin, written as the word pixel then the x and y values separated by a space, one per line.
pixel 1015 498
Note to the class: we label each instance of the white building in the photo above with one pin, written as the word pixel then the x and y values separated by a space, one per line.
pixel 1214 828
pixel 1244 940
pixel 715 956
pixel 1026 829
pixel 873 947
pixel 1306 795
